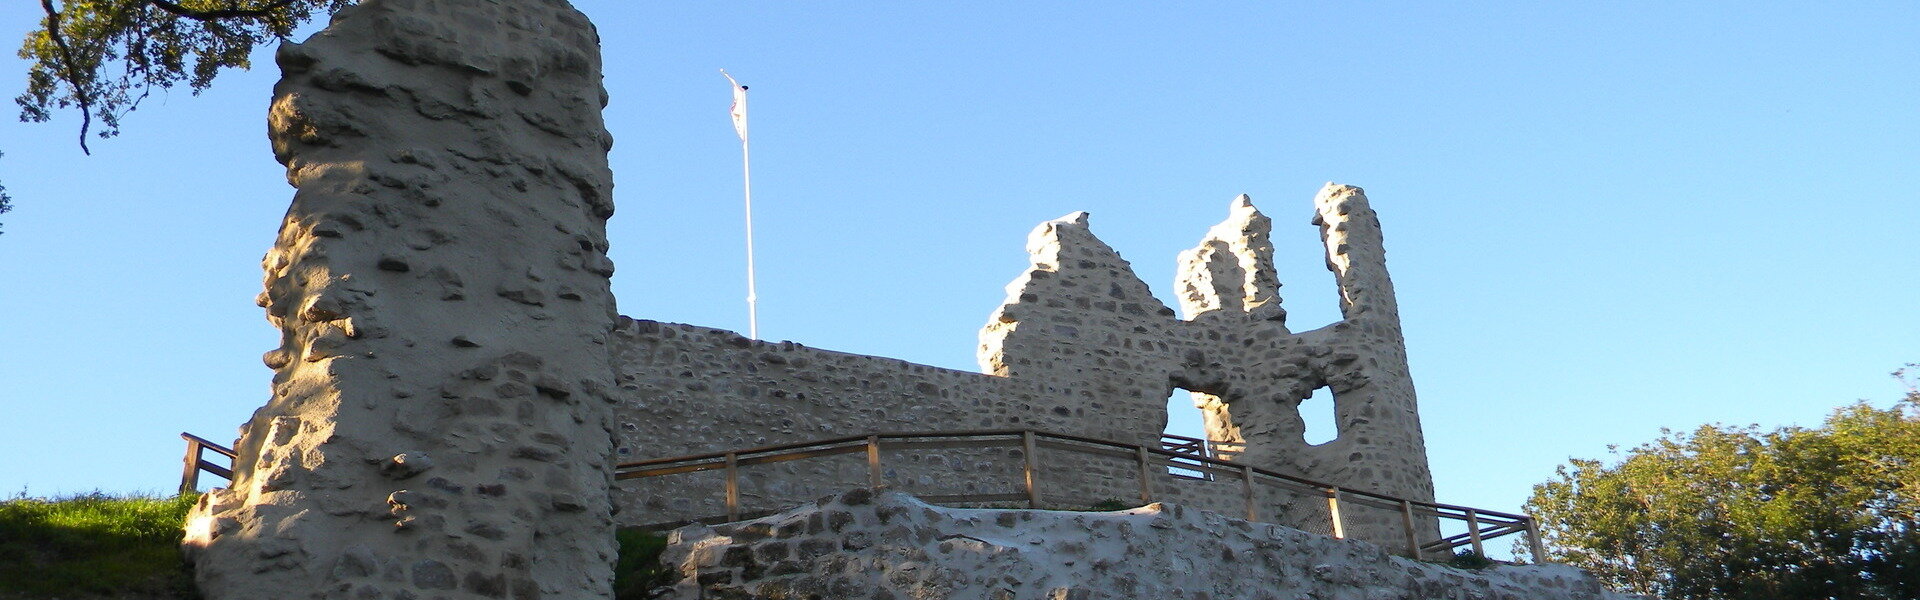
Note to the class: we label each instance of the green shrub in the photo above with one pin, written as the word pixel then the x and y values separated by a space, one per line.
pixel 93 544
pixel 1468 559
pixel 639 570
pixel 1108 505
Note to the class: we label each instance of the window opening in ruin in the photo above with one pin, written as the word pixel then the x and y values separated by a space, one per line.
pixel 1317 416
pixel 1186 434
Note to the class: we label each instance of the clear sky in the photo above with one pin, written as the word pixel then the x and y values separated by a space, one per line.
pixel 1602 220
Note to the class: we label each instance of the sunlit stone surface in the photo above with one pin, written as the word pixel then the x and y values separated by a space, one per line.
pixel 890 545
pixel 439 425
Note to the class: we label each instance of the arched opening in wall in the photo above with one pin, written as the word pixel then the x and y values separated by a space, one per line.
pixel 1186 433
pixel 1317 415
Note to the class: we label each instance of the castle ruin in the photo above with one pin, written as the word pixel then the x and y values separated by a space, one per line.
pixel 1080 347
pixel 454 384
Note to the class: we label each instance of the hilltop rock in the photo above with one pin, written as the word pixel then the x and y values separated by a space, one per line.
pixel 890 545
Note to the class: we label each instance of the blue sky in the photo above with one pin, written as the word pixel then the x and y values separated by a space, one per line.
pixel 1602 220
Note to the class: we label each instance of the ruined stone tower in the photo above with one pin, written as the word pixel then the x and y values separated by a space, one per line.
pixel 439 425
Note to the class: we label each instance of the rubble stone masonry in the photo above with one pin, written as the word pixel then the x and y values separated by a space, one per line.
pixel 1081 347
pixel 440 418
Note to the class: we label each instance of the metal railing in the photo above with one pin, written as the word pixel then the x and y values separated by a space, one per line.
pixel 196 462
pixel 1481 525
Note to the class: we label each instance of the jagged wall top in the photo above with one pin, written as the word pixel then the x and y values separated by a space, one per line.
pixel 1082 321
pixel 1232 268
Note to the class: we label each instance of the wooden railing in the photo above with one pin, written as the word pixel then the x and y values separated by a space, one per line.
pixel 196 462
pixel 1186 447
pixel 1481 525
pixel 1180 444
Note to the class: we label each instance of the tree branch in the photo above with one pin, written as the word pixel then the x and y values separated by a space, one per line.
pixel 68 73
pixel 225 13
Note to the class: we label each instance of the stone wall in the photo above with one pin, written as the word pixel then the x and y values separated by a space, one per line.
pixel 686 389
pixel 1081 346
pixel 440 419
pixel 891 546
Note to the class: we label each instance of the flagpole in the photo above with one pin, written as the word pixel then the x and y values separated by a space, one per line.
pixel 753 299
pixel 739 112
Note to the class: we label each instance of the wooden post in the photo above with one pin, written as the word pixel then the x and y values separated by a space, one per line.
pixel 1146 475
pixel 1246 490
pixel 190 471
pixel 1473 532
pixel 1538 547
pixel 1333 513
pixel 733 487
pixel 874 478
pixel 1413 537
pixel 1033 465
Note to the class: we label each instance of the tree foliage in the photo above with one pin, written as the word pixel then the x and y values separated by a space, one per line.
pixel 6 202
pixel 103 57
pixel 1737 513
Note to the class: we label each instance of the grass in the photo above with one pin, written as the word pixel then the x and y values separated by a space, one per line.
pixel 101 546
pixel 93 545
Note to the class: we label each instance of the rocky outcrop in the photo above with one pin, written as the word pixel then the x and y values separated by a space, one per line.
pixel 889 545
pixel 439 424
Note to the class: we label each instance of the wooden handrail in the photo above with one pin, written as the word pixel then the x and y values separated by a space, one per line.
pixel 218 449
pixel 195 462
pixel 1483 524
pixel 825 442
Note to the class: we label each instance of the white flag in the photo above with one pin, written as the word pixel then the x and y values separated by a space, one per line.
pixel 739 109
